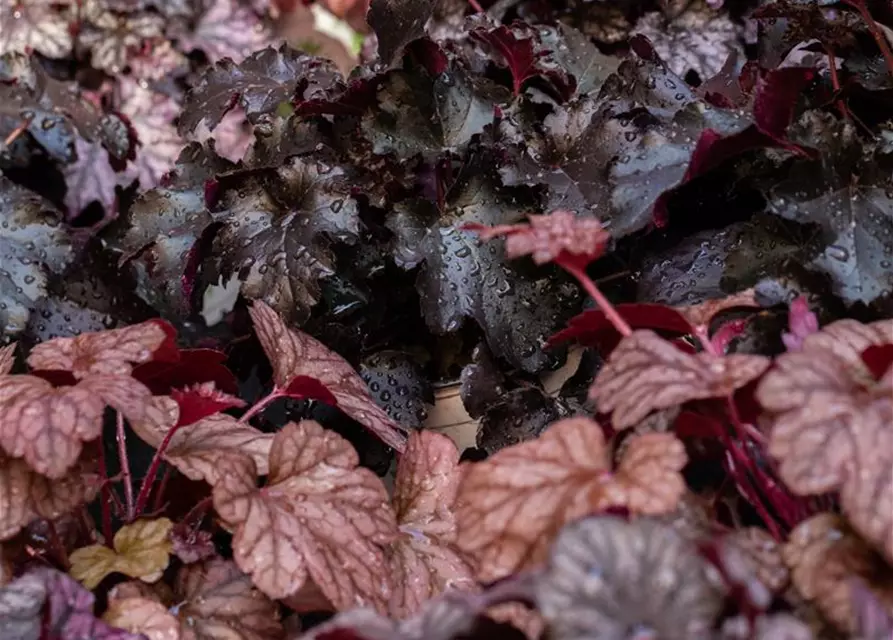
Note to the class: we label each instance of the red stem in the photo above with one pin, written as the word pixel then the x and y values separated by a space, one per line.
pixel 162 487
pixel 262 404
pixel 603 303
pixel 105 492
pixel 148 481
pixel 876 33
pixel 476 6
pixel 124 463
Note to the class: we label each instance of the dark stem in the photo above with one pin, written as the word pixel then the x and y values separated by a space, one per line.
pixel 476 6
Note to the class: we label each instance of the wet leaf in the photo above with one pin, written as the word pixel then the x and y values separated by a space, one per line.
pixel 319 517
pixel 295 355
pixel 699 40
pixel 424 561
pixel 259 84
pixel 26 495
pixel 398 385
pixel 158 236
pixel 518 48
pixel 599 582
pixel 33 245
pixel 276 237
pixel 646 373
pixel 113 352
pixel 141 550
pixel 559 237
pixel 512 505
pixel 397 23
pixel 851 205
pixel 197 449
pixel 48 425
pixel 221 603
pixel 44 598
pixel 417 115
pixel 465 277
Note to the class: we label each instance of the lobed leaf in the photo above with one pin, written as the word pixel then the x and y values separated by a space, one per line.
pixel 512 506
pixel 424 561
pixel 141 550
pixel 646 373
pixel 319 518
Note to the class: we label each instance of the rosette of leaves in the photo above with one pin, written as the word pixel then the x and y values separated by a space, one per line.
pixel 464 277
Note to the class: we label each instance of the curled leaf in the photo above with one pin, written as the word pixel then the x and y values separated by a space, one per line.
pixel 141 550
pixel 319 517
pixel 295 354
pixel 7 358
pixel 512 505
pixel 646 373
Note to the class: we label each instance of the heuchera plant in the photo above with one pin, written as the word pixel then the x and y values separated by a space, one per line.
pixel 646 245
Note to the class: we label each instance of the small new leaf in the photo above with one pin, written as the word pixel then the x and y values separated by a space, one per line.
pixel 141 550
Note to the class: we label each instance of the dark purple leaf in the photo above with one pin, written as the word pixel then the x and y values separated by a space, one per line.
pixel 464 277
pixel 261 83
pixel 847 194
pixel 277 230
pixel 157 236
pixel 398 385
pixel 415 114
pixel 33 245
pixel 517 48
pixel 397 23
